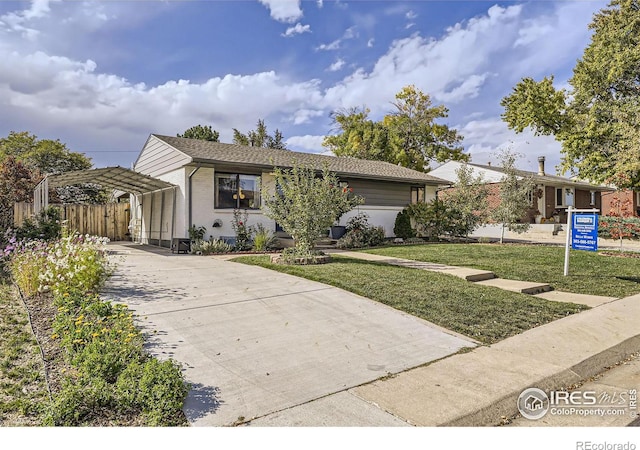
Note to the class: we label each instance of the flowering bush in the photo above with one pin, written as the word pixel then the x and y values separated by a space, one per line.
pixel 74 262
pixel 242 229
pixel 99 339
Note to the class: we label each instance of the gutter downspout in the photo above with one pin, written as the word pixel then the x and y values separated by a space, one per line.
pixel 193 172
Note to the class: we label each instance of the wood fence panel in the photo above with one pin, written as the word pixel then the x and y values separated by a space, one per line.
pixel 110 220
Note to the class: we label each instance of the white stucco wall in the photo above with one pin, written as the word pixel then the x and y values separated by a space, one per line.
pixel 205 214
pixel 159 224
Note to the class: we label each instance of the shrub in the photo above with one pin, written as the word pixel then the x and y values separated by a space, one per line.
pixel 196 233
pixel 154 387
pixel 47 226
pixel 306 205
pixel 263 239
pixel 201 247
pixel 361 234
pixel 81 401
pixel 402 227
pixel 242 229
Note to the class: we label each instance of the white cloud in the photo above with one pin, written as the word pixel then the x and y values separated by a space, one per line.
pixel 319 3
pixel 370 42
pixel 297 29
pixel 307 143
pixel 335 45
pixel 284 10
pixel 305 115
pixel 469 88
pixel 484 138
pixel 460 58
pixel 411 15
pixel 349 33
pixel 339 64
pixel 62 91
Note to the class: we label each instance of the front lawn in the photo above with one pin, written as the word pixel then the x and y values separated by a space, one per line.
pixel 23 390
pixel 484 313
pixel 589 272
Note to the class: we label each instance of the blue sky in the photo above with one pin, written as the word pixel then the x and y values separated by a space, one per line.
pixel 102 75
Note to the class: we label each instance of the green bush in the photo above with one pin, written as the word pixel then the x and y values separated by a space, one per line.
pixel 81 401
pixel 360 233
pixel 263 239
pixel 209 247
pixel 47 226
pixel 156 388
pixel 402 227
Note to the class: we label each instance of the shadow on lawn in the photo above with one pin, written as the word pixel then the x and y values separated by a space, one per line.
pixel 632 279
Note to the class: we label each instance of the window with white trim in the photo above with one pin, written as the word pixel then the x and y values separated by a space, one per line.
pixel 234 190
pixel 564 197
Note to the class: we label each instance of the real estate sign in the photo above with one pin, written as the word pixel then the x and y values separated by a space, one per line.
pixel 584 232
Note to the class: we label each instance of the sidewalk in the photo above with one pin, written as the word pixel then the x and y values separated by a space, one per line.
pixel 481 387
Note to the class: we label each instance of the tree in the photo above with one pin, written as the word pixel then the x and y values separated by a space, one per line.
pixel 360 138
pixel 46 156
pixel 467 201
pixel 203 133
pixel 17 182
pixel 306 205
pixel 409 136
pixel 597 120
pixel 514 196
pixel 260 137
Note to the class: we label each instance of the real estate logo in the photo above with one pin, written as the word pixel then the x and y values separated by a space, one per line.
pixel 533 403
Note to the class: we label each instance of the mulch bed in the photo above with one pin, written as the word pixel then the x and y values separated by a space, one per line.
pixel 41 311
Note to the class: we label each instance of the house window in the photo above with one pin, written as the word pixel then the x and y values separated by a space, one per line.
pixel 564 197
pixel 234 190
pixel 417 194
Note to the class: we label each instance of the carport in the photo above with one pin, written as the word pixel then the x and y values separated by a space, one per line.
pixel 153 203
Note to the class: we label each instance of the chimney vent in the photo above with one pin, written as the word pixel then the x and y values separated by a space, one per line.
pixel 541 160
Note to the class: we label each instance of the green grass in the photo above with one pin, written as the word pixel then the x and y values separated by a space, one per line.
pixel 483 313
pixel 23 392
pixel 589 272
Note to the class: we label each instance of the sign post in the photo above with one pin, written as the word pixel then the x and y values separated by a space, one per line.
pixel 582 232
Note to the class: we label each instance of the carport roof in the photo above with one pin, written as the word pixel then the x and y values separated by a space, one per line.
pixel 111 177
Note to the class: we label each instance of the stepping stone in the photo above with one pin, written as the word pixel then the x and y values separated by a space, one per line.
pixel 524 287
pixel 583 299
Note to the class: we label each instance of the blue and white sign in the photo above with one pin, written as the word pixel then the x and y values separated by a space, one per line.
pixel 584 232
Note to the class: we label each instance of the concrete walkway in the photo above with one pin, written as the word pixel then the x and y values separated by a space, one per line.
pixel 254 342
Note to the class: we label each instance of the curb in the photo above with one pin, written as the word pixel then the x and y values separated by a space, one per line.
pixel 507 406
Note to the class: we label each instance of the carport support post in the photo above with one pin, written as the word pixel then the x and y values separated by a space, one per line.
pixel 173 215
pixel 151 217
pixel 568 240
pixel 161 218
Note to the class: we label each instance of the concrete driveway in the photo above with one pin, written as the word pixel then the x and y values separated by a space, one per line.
pixel 255 343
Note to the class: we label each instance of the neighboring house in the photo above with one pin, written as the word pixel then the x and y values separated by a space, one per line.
pixel 549 201
pixel 627 196
pixel 213 179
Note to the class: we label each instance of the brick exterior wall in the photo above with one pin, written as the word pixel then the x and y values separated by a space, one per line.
pixel 626 195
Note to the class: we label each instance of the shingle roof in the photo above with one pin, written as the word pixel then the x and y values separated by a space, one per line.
pixel 217 152
pixel 548 179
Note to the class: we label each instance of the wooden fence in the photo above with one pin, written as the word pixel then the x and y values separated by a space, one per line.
pixel 109 220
